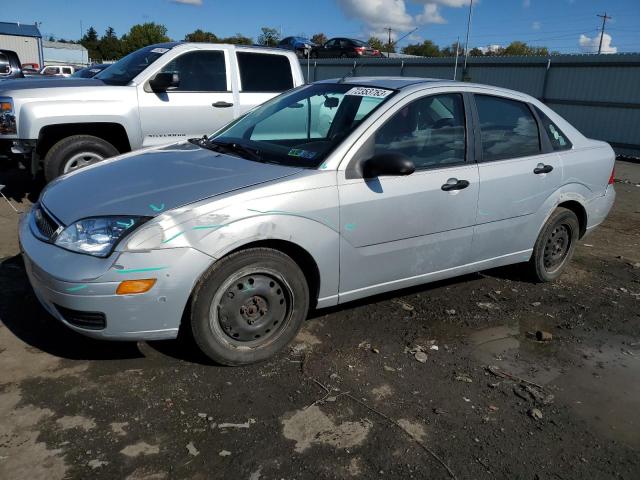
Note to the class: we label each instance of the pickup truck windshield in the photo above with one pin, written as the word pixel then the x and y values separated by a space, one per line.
pixel 127 68
pixel 302 126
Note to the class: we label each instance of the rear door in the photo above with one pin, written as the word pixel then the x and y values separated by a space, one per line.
pixel 261 76
pixel 518 172
pixel 202 103
pixel 398 231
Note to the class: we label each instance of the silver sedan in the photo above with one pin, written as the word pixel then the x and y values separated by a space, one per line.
pixel 328 193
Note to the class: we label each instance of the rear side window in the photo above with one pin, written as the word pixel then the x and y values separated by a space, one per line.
pixel 263 72
pixel 199 71
pixel 66 70
pixel 559 140
pixel 507 128
pixel 5 68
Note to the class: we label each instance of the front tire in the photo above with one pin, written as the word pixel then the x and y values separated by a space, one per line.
pixel 249 306
pixel 555 245
pixel 74 152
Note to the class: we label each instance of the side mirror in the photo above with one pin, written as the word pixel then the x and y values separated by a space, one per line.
pixel 387 164
pixel 163 81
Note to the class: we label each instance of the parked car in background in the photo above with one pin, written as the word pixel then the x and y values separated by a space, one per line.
pixel 344 48
pixel 58 71
pixel 30 72
pixel 302 46
pixel 156 95
pixel 404 181
pixel 10 67
pixel 90 71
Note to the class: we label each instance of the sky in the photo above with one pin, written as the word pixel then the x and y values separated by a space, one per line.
pixel 566 26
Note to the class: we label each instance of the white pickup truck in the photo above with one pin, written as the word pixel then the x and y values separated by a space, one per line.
pixel 156 95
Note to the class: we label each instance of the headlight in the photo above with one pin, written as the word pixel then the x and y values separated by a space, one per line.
pixel 97 236
pixel 7 116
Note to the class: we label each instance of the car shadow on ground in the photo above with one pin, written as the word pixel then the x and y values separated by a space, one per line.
pixel 23 315
pixel 18 183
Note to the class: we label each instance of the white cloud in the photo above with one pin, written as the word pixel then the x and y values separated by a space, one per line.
pixel 377 15
pixel 431 14
pixel 591 44
pixel 536 25
pixel 196 3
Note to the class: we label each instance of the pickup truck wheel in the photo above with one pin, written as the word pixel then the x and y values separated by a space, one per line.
pixel 249 306
pixel 555 245
pixel 74 152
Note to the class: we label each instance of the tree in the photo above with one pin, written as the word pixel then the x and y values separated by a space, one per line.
pixel 376 43
pixel 142 35
pixel 90 42
pixel 521 48
pixel 109 45
pixel 319 38
pixel 269 37
pixel 450 50
pixel 424 49
pixel 201 37
pixel 476 52
pixel 237 39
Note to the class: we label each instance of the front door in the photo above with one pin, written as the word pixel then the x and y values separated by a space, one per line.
pixel 518 175
pixel 202 103
pixel 398 231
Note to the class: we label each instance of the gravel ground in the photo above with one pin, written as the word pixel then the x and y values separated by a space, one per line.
pixel 446 380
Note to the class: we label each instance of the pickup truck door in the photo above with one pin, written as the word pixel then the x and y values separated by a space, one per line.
pixel 199 105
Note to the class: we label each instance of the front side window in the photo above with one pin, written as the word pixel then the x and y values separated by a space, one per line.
pixel 303 126
pixel 429 131
pixel 559 140
pixel 199 71
pixel 51 71
pixel 264 72
pixel 507 128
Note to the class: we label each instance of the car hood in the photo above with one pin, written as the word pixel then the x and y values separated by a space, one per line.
pixel 154 181
pixel 43 82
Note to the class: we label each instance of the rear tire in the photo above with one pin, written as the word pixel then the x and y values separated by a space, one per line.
pixel 555 245
pixel 249 306
pixel 74 152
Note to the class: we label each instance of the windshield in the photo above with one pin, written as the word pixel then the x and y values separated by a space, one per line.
pixel 127 68
pixel 301 127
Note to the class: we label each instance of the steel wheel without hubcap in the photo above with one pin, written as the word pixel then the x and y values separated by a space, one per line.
pixel 252 308
pixel 557 247
pixel 80 160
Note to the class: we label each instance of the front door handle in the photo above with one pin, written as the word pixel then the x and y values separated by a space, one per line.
pixel 455 184
pixel 222 104
pixel 542 168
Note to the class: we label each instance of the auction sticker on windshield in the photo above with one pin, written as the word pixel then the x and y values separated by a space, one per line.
pixel 369 92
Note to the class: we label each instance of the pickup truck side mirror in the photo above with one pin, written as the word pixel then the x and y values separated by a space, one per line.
pixel 387 164
pixel 163 81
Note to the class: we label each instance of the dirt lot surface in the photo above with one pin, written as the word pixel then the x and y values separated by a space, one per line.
pixel 434 382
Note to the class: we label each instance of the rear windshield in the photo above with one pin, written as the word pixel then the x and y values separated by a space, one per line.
pixel 359 43
pixel 129 67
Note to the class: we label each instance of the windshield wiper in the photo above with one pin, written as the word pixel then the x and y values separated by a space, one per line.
pixel 228 147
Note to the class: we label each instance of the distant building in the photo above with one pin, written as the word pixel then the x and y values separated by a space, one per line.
pixel 61 53
pixel 25 40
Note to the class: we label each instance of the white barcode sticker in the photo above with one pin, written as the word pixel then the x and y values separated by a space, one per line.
pixel 369 92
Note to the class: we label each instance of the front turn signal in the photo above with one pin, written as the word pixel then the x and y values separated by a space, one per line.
pixel 129 287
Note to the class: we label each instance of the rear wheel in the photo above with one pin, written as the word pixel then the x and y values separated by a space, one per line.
pixel 249 306
pixel 75 152
pixel 555 245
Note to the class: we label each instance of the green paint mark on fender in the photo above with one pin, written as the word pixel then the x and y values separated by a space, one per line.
pixel 138 270
pixel 350 227
pixel 172 238
pixel 206 227
pixel 125 224
pixel 156 208
pixel 75 289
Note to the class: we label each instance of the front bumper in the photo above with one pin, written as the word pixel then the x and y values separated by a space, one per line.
pixel 65 281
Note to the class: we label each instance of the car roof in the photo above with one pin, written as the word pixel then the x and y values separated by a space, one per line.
pixel 414 83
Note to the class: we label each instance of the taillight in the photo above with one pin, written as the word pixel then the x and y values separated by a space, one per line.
pixel 360 50
pixel 612 178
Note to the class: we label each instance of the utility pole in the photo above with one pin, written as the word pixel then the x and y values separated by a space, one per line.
pixel 455 68
pixel 466 43
pixel 604 21
pixel 389 43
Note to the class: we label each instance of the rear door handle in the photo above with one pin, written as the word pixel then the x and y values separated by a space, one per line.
pixel 222 104
pixel 455 184
pixel 542 168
